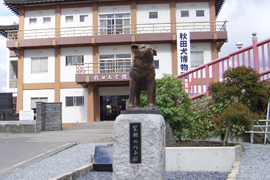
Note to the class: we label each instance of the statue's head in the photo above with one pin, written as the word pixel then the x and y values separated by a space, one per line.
pixel 143 50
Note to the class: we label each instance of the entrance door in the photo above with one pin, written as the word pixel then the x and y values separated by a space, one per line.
pixel 111 106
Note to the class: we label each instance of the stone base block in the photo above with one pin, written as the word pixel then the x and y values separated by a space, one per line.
pixel 152 164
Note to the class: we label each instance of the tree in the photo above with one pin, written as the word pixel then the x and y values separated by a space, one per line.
pixel 173 102
pixel 243 97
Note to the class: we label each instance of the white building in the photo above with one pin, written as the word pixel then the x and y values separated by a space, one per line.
pixel 54 35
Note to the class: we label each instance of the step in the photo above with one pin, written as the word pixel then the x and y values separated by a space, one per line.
pixel 261 126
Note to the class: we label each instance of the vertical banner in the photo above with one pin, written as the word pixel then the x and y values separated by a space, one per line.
pixel 135 142
pixel 183 51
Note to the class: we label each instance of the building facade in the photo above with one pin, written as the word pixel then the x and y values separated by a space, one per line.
pixel 78 52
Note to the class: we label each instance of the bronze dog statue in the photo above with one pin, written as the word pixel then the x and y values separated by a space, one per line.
pixel 142 75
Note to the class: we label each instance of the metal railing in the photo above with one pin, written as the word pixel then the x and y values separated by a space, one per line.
pixel 13 83
pixel 117 29
pixel 103 67
pixel 257 56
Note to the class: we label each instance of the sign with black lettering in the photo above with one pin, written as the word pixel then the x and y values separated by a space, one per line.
pixel 135 142
pixel 183 51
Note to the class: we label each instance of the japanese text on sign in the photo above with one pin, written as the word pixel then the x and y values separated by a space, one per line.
pixel 183 51
pixel 135 142
pixel 110 77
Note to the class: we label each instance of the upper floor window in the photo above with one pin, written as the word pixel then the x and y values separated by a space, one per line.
pixel 184 13
pixel 114 23
pixel 199 13
pixel 196 58
pixel 46 20
pixel 156 64
pixel 71 60
pixel 75 101
pixel 153 15
pixel 39 64
pixel 83 18
pixel 114 63
pixel 32 21
pixel 69 18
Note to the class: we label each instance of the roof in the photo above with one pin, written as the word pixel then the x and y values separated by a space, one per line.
pixel 4 28
pixel 14 5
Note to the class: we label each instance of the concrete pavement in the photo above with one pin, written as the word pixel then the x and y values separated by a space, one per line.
pixel 20 150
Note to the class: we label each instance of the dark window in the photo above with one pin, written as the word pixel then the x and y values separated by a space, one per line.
pixel 199 13
pixel 153 15
pixel 184 13
pixel 75 101
pixel 156 64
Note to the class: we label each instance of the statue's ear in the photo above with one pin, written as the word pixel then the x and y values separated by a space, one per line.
pixel 154 52
pixel 135 47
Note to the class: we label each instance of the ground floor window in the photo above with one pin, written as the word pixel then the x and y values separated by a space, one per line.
pixel 111 106
pixel 37 99
pixel 75 101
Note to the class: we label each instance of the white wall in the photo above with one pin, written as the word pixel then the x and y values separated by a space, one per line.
pixel 162 9
pixel 118 49
pixel 192 7
pixel 43 77
pixel 113 9
pixel 39 15
pixel 110 91
pixel 28 94
pixel 67 73
pixel 74 114
pixel 164 56
pixel 76 12
pixel 40 29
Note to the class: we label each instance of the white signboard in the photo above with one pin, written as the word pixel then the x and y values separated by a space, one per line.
pixel 26 115
pixel 183 51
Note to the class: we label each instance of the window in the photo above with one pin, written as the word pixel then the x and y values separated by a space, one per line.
pixel 69 18
pixel 39 64
pixel 114 23
pixel 184 13
pixel 83 18
pixel 196 58
pixel 75 101
pixel 156 64
pixel 46 20
pixel 199 13
pixel 33 21
pixel 37 99
pixel 153 15
pixel 71 60
pixel 114 63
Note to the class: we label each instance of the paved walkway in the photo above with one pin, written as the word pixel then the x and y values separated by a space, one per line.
pixel 18 151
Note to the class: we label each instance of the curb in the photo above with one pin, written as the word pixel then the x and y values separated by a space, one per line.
pixel 75 174
pixel 233 175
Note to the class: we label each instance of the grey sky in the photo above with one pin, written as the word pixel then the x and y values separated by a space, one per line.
pixel 244 16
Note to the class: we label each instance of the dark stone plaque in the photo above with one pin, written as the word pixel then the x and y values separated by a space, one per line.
pixel 135 142
pixel 103 158
pixel 5 100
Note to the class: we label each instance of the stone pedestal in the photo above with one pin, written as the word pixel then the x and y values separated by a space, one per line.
pixel 152 140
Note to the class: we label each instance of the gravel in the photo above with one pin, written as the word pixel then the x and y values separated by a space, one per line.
pixel 58 164
pixel 254 165
pixel 255 162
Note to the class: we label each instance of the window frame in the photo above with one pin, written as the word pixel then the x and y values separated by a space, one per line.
pixel 68 16
pixel 47 18
pixel 41 66
pixel 115 61
pixel 31 23
pixel 73 63
pixel 85 17
pixel 198 11
pixel 39 99
pixel 156 62
pixel 155 13
pixel 74 101
pixel 193 61
pixel 184 11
